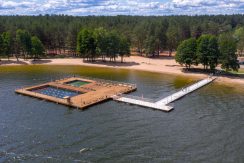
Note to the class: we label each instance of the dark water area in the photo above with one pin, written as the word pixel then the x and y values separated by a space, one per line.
pixel 205 126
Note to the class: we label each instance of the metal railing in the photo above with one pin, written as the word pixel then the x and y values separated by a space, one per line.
pixel 170 98
pixel 137 98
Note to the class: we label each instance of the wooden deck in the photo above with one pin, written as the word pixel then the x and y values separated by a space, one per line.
pixel 98 90
pixel 94 92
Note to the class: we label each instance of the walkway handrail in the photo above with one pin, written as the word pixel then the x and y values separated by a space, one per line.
pixel 166 102
pixel 137 98
pixel 189 85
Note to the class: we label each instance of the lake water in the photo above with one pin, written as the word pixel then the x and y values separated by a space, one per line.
pixel 205 126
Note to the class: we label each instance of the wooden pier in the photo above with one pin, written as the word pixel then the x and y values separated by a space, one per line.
pixel 95 91
pixel 163 104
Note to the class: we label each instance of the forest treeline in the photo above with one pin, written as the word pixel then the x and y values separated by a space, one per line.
pixel 146 35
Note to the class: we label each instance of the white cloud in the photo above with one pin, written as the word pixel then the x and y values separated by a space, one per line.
pixel 13 4
pixel 126 7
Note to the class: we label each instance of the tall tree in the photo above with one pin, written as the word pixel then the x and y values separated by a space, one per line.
pixel 100 35
pixel 172 37
pixel 23 39
pixel 159 34
pixel 208 51
pixel 138 37
pixel 213 52
pixel 186 52
pixel 113 45
pixel 228 55
pixel 239 35
pixel 197 31
pixel 124 48
pixel 37 47
pixel 155 39
pixel 86 44
pixel 202 50
pixel 1 47
pixel 184 30
pixel 150 46
pixel 6 44
pixel 71 41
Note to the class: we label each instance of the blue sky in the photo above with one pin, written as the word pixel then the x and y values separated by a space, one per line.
pixel 121 7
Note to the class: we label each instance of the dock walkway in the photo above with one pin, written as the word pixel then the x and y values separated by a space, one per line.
pixel 163 104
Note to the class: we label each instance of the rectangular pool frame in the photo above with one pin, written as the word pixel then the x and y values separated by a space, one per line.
pixel 70 83
pixel 96 91
pixel 40 90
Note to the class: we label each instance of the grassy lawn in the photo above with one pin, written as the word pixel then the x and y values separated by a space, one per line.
pixel 241 71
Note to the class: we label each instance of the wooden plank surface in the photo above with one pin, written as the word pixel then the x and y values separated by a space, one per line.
pixel 92 93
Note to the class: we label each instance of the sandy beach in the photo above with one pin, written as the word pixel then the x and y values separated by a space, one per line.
pixel 160 65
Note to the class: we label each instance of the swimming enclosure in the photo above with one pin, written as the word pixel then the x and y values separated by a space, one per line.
pixel 78 92
pixel 56 92
pixel 77 83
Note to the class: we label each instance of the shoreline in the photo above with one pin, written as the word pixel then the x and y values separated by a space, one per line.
pixel 163 65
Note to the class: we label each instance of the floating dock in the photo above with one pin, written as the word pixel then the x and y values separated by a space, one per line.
pixel 163 104
pixel 78 92
pixel 82 92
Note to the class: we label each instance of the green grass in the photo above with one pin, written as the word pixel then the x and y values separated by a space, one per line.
pixel 240 71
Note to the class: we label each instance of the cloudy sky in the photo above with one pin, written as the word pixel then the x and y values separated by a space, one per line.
pixel 121 7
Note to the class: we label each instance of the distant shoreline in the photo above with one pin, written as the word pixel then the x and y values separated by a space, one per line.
pixel 165 65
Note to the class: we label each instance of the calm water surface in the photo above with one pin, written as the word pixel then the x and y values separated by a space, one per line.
pixel 206 126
